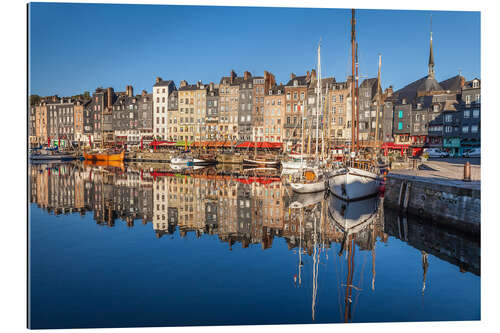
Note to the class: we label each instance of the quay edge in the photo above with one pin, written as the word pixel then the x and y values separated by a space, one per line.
pixel 447 202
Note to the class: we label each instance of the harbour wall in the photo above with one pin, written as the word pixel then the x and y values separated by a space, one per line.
pixel 451 203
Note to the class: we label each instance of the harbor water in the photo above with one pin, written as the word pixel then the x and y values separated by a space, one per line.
pixel 130 245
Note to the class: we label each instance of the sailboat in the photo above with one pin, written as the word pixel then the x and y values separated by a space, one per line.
pixel 310 179
pixel 352 183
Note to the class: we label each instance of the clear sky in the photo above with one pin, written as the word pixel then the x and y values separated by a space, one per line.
pixel 78 47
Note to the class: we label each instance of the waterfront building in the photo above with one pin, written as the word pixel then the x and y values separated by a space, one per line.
pixel 295 109
pixel 368 99
pixel 32 125
pixel 145 116
pixel 245 107
pixel 41 122
pixel 212 115
pixel 108 133
pixel 161 204
pixel 78 108
pixel 187 96
pixel 337 107
pixel 200 107
pixel 317 110
pixel 173 115
pixel 470 108
pixel 161 90
pixel 93 116
pixel 261 87
pixel 228 106
pixel 61 121
pixel 125 120
pixel 274 114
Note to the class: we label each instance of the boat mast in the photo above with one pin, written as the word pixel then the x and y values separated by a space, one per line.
pixel 357 99
pixel 353 92
pixel 318 102
pixel 379 100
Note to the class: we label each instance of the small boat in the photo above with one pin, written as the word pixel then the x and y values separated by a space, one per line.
pixel 353 184
pixel 309 180
pixel 262 161
pixel 50 155
pixel 105 156
pixel 181 160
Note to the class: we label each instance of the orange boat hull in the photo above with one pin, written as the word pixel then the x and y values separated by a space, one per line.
pixel 104 156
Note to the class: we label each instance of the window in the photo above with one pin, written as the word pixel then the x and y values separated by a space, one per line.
pixel 467 114
pixel 341 98
pixel 400 114
pixel 417 117
pixel 436 108
pixel 302 96
pixel 474 129
pixel 475 84
pixel 475 113
pixel 465 129
pixel 467 99
pixel 400 125
pixel 448 118
pixel 288 96
pixel 477 98
pixel 448 129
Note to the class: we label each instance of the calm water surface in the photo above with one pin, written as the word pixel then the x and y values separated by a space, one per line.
pixel 138 245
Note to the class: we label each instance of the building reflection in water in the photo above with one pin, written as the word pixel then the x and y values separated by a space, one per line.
pixel 246 209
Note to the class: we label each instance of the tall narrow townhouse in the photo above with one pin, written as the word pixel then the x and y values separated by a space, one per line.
pixel 161 91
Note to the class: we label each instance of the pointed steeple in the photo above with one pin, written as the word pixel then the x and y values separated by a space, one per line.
pixel 431 56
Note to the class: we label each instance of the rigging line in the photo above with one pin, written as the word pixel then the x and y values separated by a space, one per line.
pixel 360 284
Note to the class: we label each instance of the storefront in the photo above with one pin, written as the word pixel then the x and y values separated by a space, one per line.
pixel 452 146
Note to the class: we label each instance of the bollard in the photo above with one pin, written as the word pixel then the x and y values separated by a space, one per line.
pixel 467 172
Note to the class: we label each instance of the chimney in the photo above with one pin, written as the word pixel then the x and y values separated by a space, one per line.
pixel 144 93
pixel 130 91
pixel 211 86
pixel 110 97
pixel 266 75
pixel 292 76
pixel 198 84
pixel 313 74
pixel 158 79
pixel 247 75
pixel 233 76
pixel 308 76
pixel 462 81
pixel 183 83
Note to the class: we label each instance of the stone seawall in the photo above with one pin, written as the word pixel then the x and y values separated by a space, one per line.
pixel 451 203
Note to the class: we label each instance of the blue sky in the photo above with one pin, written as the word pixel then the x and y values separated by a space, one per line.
pixel 78 47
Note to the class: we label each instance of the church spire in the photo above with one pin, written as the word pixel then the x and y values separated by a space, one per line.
pixel 431 56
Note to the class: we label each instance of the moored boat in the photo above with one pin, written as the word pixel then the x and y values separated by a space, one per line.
pixel 105 156
pixel 309 180
pixel 269 162
pixel 353 184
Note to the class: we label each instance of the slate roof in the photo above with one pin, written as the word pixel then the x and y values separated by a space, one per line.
pixel 162 83
pixel 301 81
pixel 452 84
pixel 427 83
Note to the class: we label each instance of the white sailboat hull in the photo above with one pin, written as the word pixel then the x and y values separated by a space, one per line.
pixel 294 164
pixel 180 160
pixel 308 187
pixel 354 184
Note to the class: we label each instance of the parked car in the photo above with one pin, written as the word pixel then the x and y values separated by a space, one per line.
pixel 435 152
pixel 474 152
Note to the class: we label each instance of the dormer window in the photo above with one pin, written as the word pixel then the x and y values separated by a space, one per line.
pixel 295 83
pixel 436 108
pixel 475 84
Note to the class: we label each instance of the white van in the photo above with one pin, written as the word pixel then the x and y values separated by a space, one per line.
pixel 435 152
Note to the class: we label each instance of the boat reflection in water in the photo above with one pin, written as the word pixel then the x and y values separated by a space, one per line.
pixel 315 247
pixel 352 218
